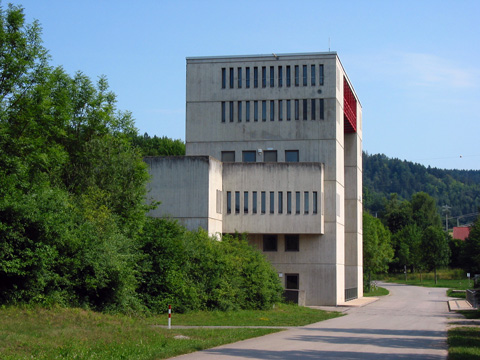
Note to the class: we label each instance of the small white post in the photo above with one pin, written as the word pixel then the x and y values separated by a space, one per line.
pixel 169 316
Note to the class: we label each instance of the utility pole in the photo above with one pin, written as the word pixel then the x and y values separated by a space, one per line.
pixel 446 208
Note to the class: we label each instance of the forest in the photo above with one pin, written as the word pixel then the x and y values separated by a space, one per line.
pixel 458 189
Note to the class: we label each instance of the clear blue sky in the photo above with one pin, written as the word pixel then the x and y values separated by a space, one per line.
pixel 415 65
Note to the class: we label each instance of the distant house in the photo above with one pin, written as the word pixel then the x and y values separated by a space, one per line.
pixel 461 232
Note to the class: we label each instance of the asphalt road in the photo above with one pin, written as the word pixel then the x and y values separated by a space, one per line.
pixel 410 324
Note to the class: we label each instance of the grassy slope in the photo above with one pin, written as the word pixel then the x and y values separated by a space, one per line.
pixel 78 334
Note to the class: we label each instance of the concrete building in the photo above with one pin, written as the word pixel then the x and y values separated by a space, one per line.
pixel 274 149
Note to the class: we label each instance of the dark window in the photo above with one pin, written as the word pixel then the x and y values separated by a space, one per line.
pixel 280 202
pixel 224 78
pixel 237 202
pixel 264 76
pixel 270 156
pixel 297 110
pixel 305 202
pixel 228 156
pixel 322 116
pixel 263 201
pixel 313 110
pixel 255 77
pixel 269 242
pixel 247 77
pixel 280 110
pixel 247 111
pixel 272 76
pixel 231 111
pixel 292 243
pixel 249 156
pixel 291 155
pixel 305 102
pixel 280 76
pixel 297 202
pixel 254 202
pixel 245 202
pixel 315 202
pixel 239 76
pixel 291 281
pixel 272 202
pixel 288 76
pixel 264 110
pixel 239 113
pixel 289 110
pixel 272 110
pixel 289 202
pixel 223 111
pixel 312 75
pixel 305 76
pixel 231 78
pixel 297 75
pixel 320 73
pixel 255 111
pixel 229 202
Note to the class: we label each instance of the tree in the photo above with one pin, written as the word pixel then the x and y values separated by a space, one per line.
pixel 407 243
pixel 397 213
pixel 424 210
pixel 436 251
pixel 377 247
pixel 471 250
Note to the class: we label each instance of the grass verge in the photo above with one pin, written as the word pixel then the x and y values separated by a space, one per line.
pixel 281 315
pixel 36 333
pixel 463 343
pixel 377 291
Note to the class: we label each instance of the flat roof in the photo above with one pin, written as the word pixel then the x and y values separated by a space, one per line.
pixel 275 55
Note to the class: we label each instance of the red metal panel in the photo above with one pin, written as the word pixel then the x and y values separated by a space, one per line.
pixel 349 108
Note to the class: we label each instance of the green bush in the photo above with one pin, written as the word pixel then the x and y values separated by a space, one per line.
pixel 192 271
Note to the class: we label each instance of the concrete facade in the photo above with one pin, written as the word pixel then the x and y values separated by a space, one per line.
pixel 274 149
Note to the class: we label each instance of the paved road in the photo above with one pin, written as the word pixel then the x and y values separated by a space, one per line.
pixel 410 324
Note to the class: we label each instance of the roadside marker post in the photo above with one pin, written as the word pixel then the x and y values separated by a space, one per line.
pixel 169 316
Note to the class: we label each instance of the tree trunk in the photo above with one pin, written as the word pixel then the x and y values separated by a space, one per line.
pixel 435 272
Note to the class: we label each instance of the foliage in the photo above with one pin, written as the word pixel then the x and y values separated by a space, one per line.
pixel 383 176
pixel 435 249
pixel 192 271
pixel 377 291
pixel 158 146
pixel 71 185
pixel 471 250
pixel 377 247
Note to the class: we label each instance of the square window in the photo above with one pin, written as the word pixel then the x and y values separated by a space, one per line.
pixel 292 242
pixel 270 242
pixel 270 156
pixel 297 75
pixel 228 156
pixel 288 76
pixel 247 77
pixel 272 76
pixel 229 202
pixel 291 281
pixel 249 156
pixel 239 77
pixel 245 202
pixel 254 202
pixel 305 77
pixel 291 155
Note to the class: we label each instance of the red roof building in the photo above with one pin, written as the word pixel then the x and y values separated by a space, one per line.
pixel 461 232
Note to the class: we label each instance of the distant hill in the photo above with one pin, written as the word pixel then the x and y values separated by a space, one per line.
pixel 459 189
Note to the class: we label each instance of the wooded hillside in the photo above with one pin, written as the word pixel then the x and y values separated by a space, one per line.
pixel 459 189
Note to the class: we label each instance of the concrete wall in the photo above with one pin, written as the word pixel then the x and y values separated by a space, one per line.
pixel 187 188
pixel 274 177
